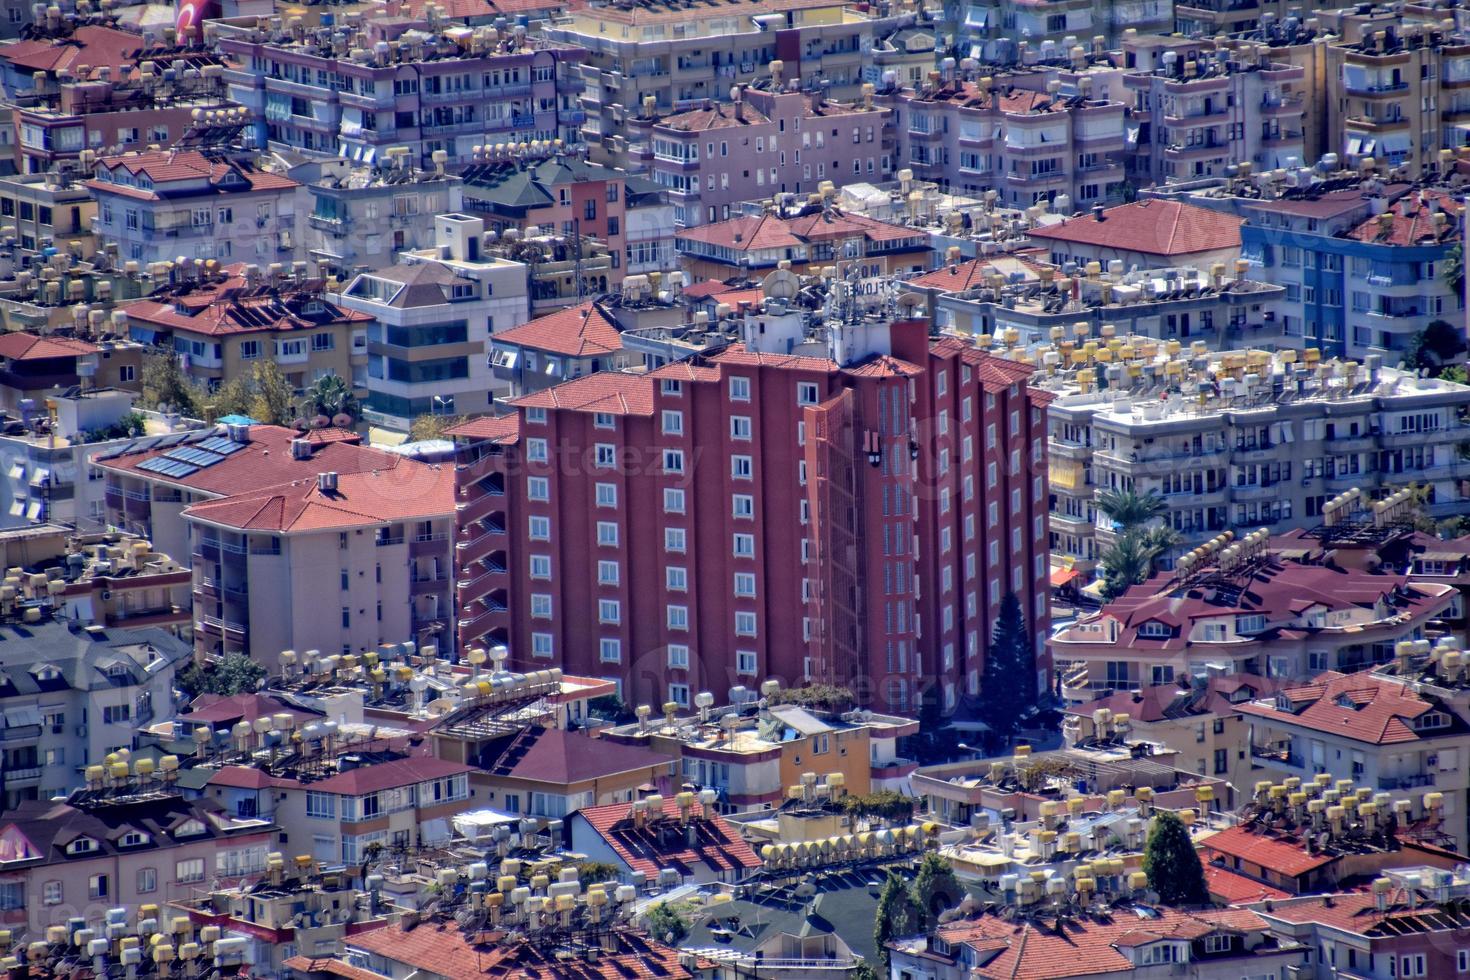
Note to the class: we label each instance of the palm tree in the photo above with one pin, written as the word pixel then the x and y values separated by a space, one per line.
pixel 1129 508
pixel 329 395
pixel 1127 562
pixel 1158 540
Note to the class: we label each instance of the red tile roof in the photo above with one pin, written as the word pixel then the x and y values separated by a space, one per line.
pixel 769 231
pixel 1236 889
pixel 242 777
pixel 710 287
pixel 605 391
pixel 440 949
pixel 18 346
pixel 266 461
pixel 1410 220
pixel 94 45
pixel 167 166
pixel 1357 912
pixel 1083 947
pixel 215 709
pixel 407 491
pixel 563 758
pixel 720 115
pixel 1356 706
pixel 578 331
pixel 1283 853
pixel 313 965
pixel 388 775
pixel 496 428
pixel 228 305
pixel 717 845
pixel 1161 701
pixel 1164 228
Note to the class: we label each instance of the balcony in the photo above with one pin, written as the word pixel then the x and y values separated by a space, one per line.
pixel 20 733
pixel 29 775
pixel 1410 781
pixel 1276 755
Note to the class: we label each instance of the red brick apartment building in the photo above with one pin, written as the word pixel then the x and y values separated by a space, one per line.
pixel 850 512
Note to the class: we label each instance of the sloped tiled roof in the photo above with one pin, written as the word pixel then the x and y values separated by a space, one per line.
pixel 1356 706
pixel 1236 889
pixel 387 775
pixel 604 391
pixel 406 491
pixel 717 845
pixel 18 346
pixel 496 428
pixel 165 166
pixel 578 331
pixel 95 45
pixel 1410 220
pixel 1284 854
pixel 563 758
pixel 1154 227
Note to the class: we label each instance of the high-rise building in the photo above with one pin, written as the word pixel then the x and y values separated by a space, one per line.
pixel 842 502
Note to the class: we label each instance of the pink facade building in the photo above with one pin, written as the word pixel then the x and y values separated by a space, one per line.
pixel 848 511
pixel 713 157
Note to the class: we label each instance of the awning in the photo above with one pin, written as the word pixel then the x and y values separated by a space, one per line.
pixel 1063 577
pixel 23 717
pixel 18 507
pixel 1094 589
pixel 143 335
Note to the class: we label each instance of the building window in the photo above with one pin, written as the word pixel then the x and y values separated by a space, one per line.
pixel 541 645
pixel 678 656
pixel 740 427
pixel 740 389
pixel 97 885
pixel 679 694
pixel 740 468
pixel 678 617
pixel 806 393
pixel 51 893
pixel 676 579
pixel 674 539
pixel 536 450
pixel 745 584
pixel 147 880
pixel 673 461
pixel 538 488
pixel 540 605
pixel 745 662
pixel 607 495
pixel 610 651
pixel 608 573
pixel 539 528
pixel 742 505
pixel 673 501
pixel 609 611
pixel 745 624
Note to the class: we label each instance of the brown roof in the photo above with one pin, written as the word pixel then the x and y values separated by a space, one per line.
pixel 406 491
pixel 1166 228
pixel 769 231
pixel 563 758
pixel 604 391
pixel 720 115
pixel 230 305
pixel 1410 220
pixel 166 166
pixel 95 45
pixel 1283 853
pixel 388 775
pixel 496 428
pixel 716 845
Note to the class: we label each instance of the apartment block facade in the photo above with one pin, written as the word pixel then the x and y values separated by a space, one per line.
pixel 359 89
pixel 853 518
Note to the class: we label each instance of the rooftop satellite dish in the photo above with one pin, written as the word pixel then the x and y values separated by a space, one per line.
pixel 781 284
pixel 439 707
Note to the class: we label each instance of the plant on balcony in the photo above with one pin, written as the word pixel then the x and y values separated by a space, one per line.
pixel 886 805
pixel 1129 508
pixel 1172 864
pixel 234 673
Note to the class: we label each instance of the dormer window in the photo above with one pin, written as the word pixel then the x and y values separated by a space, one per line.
pixel 1161 953
pixel 190 828
pixel 47 673
pixel 133 838
pixel 82 845
pixel 1155 629
pixel 1431 720
pixel 1219 943
pixel 1346 701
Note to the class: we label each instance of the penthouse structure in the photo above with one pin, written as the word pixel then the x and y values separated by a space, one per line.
pixel 982 26
pixel 50 209
pixel 435 311
pixel 1030 146
pixel 1252 439
pixel 1200 110
pixel 224 321
pixel 164 204
pixel 673 54
pixel 715 155
pixel 1247 611
pixel 805 238
pixel 360 86
pixel 815 421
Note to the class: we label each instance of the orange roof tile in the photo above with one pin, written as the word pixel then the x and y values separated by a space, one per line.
pixel 496 428
pixel 1154 227
pixel 18 346
pixel 1284 854
pixel 717 844
pixel 166 166
pixel 578 331
pixel 1410 220
pixel 1357 706
pixel 1236 889
pixel 604 391
pixel 407 491
pixel 95 45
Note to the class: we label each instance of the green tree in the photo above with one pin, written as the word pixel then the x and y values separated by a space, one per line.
pixel 823 697
pixel 431 427
pixel 1435 346
pixel 1129 508
pixel 1172 864
pixel 329 395
pixel 1452 269
pixel 1009 687
pixel 886 805
pixel 1130 560
pixel 1455 373
pixel 235 397
pixel 273 395
pixel 863 971
pixel 234 673
pixel 666 924
pixel 166 385
pixel 935 890
pixel 896 915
